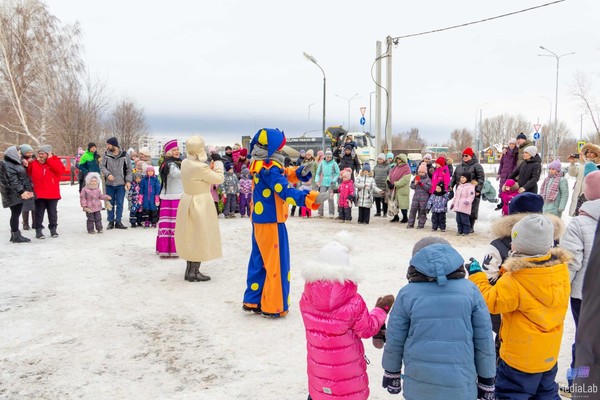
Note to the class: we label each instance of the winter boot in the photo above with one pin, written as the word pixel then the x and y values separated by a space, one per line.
pixel 404 216
pixel 119 225
pixel 395 219
pixel 16 237
pixel 188 269
pixel 199 276
pixel 111 225
pixel 39 234
pixel 25 215
pixel 53 232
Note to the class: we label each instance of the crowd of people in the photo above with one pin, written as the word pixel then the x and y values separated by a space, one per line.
pixel 532 270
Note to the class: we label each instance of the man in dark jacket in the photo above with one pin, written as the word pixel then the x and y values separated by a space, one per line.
pixel 528 173
pixel 471 165
pixel 523 143
pixel 349 161
pixel 587 360
pixel 15 188
pixel 116 169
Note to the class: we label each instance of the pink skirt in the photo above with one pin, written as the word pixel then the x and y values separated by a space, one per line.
pixel 165 240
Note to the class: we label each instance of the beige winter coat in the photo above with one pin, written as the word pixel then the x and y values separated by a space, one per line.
pixel 576 170
pixel 197 235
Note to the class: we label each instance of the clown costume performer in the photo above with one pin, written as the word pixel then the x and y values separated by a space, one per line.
pixel 268 279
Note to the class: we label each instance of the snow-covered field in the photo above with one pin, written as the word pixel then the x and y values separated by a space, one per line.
pixel 102 317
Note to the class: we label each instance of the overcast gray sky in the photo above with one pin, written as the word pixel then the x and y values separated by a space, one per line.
pixel 226 68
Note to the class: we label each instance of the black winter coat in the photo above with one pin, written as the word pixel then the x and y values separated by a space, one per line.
pixel 472 167
pixel 349 161
pixel 528 174
pixel 13 182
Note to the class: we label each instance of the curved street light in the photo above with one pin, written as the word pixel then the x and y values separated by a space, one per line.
pixel 355 95
pixel 314 61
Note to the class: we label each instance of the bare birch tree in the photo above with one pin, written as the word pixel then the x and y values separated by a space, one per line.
pixel 37 53
pixel 409 140
pixel 500 128
pixel 127 123
pixel 582 90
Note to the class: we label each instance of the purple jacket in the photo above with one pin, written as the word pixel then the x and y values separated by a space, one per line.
pixel 508 163
pixel 336 318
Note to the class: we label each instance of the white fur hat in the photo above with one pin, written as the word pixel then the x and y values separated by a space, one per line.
pixel 332 263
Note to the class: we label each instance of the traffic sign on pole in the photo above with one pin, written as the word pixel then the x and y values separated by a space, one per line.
pixel 363 121
pixel 537 127
pixel 536 136
pixel 580 144
pixel 362 111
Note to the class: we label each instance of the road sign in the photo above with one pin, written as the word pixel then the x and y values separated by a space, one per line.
pixel 490 159
pixel 362 111
pixel 537 127
pixel 362 121
pixel 536 136
pixel 580 144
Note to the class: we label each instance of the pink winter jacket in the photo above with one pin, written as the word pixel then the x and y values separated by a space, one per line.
pixel 463 198
pixel 440 174
pixel 336 318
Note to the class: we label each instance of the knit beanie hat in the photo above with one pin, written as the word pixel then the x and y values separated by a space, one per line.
pixel 510 183
pixel 346 173
pixel 366 167
pixel 533 235
pixel 422 168
pixel 320 153
pixel 467 175
pixel 532 150
pixel 113 141
pixel 389 155
pixel 302 152
pixel 468 151
pixel 381 157
pixel 589 167
pixel 245 172
pixel 592 186
pixel 25 148
pixel 243 152
pixel 348 146
pixel 441 161
pixel 526 202
pixel 426 241
pixel 92 144
pixel 328 153
pixel 45 149
pixel 555 165
pixel 228 166
pixel 310 152
pixel 427 157
pixel 512 141
pixel 521 136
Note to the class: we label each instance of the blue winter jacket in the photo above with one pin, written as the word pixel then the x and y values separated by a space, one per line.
pixel 440 329
pixel 149 188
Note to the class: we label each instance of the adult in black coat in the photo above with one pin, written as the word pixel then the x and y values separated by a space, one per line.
pixel 587 360
pixel 349 160
pixel 15 188
pixel 528 173
pixel 471 165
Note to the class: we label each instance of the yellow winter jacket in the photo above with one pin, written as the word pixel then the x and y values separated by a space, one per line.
pixel 532 296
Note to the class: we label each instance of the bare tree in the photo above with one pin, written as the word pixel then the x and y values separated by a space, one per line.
pixel 37 55
pixel 127 123
pixel 460 139
pixel 78 115
pixel 582 90
pixel 500 128
pixel 409 140
pixel 552 138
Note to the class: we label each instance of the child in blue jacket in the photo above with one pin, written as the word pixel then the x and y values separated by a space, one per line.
pixel 149 197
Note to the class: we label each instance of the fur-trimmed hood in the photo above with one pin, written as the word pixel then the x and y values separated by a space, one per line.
pixel 554 257
pixel 502 227
pixel 595 149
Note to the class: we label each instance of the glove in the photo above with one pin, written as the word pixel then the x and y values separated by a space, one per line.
pixel 450 195
pixel 321 197
pixel 87 209
pixel 466 202
pixel 385 303
pixel 485 388
pixel 140 199
pixel 473 266
pixel 392 381
pixel 379 338
pixel 109 206
pixel 307 168
pixel 389 184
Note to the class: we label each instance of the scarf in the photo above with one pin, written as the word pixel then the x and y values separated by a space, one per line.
pixel 552 191
pixel 164 170
pixel 398 172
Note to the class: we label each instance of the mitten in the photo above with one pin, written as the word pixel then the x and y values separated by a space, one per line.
pixel 109 206
pixel 485 388
pixel 140 199
pixel 307 168
pixel 418 178
pixel 392 381
pixel 385 303
pixel 450 195
pixel 321 197
pixel 379 338
pixel 87 209
pixel 156 201
pixel 473 266
pixel 466 202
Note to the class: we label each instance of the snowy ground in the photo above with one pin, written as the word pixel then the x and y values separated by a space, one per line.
pixel 101 316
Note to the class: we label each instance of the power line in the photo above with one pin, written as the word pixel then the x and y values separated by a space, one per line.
pixel 476 22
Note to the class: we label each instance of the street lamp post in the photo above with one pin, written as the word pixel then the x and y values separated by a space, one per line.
pixel 478 128
pixel 370 116
pixel 553 54
pixel 314 61
pixel 355 95
pixel 309 106
pixel 545 138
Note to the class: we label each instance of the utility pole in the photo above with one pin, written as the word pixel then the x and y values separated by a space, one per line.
pixel 388 72
pixel 378 95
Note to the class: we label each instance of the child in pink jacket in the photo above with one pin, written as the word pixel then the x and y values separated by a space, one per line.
pixel 346 196
pixel 462 203
pixel 508 192
pixel 91 198
pixel 336 318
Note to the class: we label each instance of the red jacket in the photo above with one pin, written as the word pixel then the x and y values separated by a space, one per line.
pixel 46 177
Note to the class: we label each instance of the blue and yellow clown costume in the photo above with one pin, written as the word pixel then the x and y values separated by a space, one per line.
pixel 268 280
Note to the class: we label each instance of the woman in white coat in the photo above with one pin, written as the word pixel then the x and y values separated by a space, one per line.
pixel 197 235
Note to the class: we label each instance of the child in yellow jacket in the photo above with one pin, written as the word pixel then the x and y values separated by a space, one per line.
pixel 533 297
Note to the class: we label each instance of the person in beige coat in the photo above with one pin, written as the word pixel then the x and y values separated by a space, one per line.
pixel 197 235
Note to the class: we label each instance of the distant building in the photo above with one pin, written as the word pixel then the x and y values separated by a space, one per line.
pixel 156 144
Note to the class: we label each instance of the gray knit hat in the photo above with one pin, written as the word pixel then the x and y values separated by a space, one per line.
pixel 45 149
pixel 426 241
pixel 533 235
pixel 532 150
pixel 25 148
